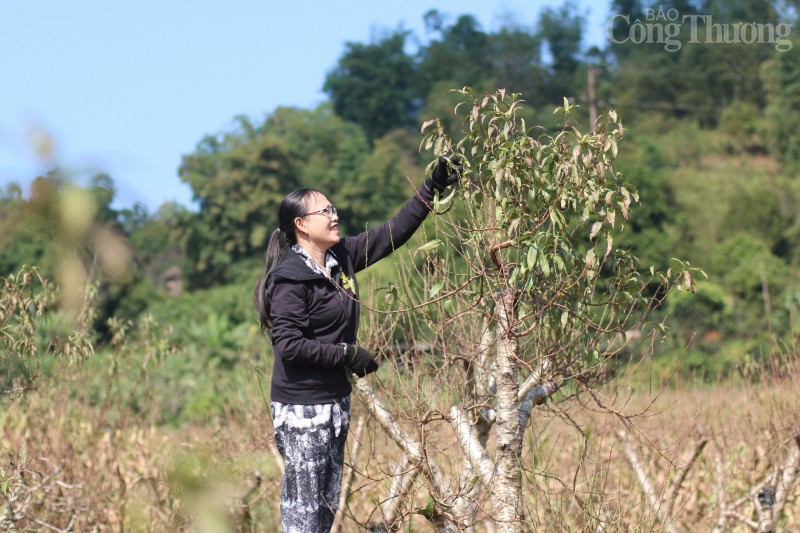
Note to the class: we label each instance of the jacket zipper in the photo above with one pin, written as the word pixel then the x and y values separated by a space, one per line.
pixel 339 295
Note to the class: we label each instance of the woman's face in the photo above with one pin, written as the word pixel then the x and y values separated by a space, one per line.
pixel 320 224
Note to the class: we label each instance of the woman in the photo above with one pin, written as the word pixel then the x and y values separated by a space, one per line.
pixel 308 297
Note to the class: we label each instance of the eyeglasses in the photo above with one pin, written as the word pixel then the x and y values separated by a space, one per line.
pixel 328 212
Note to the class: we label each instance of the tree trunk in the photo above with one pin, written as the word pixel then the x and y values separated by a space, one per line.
pixel 507 486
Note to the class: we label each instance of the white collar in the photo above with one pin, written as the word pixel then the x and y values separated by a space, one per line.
pixel 330 260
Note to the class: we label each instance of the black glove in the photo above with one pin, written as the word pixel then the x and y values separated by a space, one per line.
pixel 444 175
pixel 359 361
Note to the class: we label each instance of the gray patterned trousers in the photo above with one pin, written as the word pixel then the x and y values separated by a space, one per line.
pixel 311 439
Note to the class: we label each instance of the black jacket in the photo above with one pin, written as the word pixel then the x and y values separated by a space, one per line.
pixel 311 315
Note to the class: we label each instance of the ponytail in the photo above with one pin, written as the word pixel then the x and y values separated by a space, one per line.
pixel 275 250
pixel 294 205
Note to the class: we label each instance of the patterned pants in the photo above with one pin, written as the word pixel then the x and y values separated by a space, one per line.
pixel 311 439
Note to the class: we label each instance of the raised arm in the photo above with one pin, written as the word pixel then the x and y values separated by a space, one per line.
pixel 373 245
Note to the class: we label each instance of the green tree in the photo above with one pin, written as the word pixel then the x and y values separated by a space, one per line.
pixel 372 85
pixel 757 279
pixel 156 239
pixel 645 166
pixel 545 296
pixel 386 178
pixel 628 12
pixel 763 217
pixel 26 235
pixel 103 191
pixel 781 75
pixel 462 55
pixel 695 314
pixel 562 30
pixel 703 79
pixel 742 122
pixel 238 182
pixel 516 55
pixel 328 153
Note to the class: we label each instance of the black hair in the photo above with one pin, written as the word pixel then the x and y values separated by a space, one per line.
pixel 294 205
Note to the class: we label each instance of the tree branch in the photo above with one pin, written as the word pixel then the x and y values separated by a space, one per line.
pixel 402 480
pixel 719 469
pixel 535 379
pixel 684 466
pixel 752 524
pixel 348 477
pixel 485 382
pixel 408 445
pixel 412 449
pixel 768 514
pixel 536 396
pixel 496 248
pixel 787 478
pixel 476 454
pixel 644 481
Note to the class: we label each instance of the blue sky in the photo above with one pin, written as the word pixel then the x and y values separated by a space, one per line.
pixel 128 88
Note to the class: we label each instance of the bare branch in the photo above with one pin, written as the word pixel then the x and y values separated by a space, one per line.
pixel 411 448
pixel 536 396
pixel 496 248
pixel 787 478
pixel 752 524
pixel 408 445
pixel 722 521
pixel 684 466
pixel 402 480
pixel 485 386
pixel 782 483
pixel 750 495
pixel 44 524
pixel 644 481
pixel 348 477
pixel 476 454
pixel 535 379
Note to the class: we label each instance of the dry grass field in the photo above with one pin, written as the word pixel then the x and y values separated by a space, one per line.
pixel 67 466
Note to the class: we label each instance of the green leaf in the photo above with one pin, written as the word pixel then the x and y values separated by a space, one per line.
pixel 609 243
pixel 595 228
pixel 559 263
pixel 430 245
pixel 612 216
pixel 437 147
pixel 532 253
pixel 544 265
pixel 435 289
pixel 448 305
pixel 439 202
